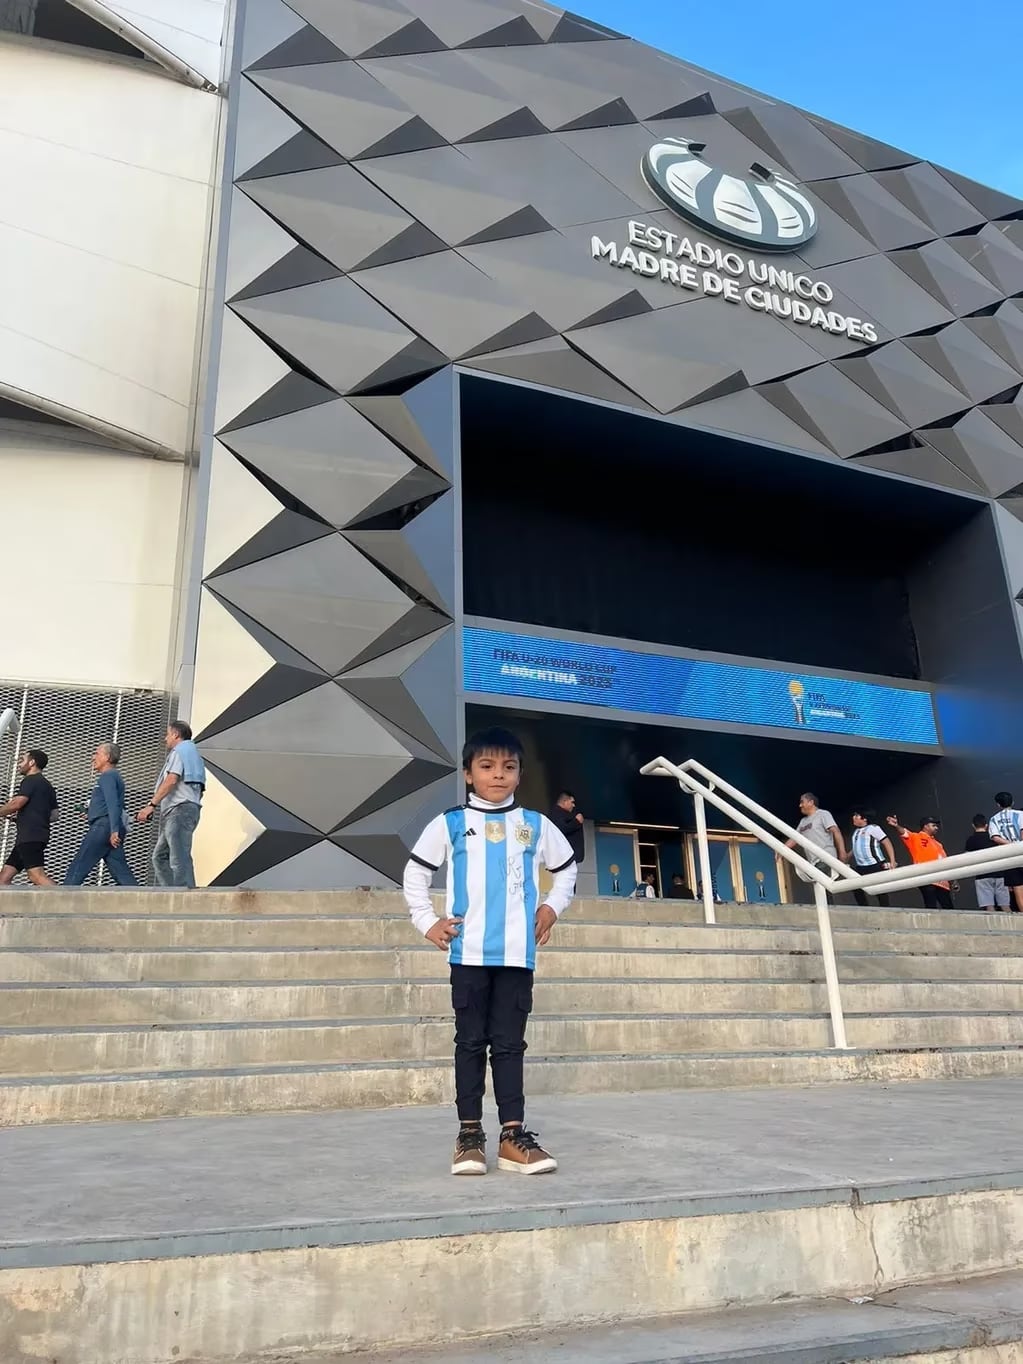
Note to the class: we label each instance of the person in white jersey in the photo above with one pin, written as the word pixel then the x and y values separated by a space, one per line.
pixel 872 850
pixel 494 921
pixel 1006 826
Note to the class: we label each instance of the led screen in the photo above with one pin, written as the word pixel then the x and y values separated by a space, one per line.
pixel 504 664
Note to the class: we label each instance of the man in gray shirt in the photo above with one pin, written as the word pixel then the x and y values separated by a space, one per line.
pixel 819 827
pixel 178 796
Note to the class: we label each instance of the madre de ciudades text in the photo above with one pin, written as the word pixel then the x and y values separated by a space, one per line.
pixel 720 273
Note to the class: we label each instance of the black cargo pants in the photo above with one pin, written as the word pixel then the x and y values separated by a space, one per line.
pixel 491 1004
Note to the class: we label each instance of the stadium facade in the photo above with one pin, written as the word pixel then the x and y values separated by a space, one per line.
pixel 462 360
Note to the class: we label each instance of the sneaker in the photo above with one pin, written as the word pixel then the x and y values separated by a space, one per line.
pixel 470 1152
pixel 521 1153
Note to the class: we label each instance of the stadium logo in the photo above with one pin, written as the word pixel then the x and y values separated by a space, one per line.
pixel 763 211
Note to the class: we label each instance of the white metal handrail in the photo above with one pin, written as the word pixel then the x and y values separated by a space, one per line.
pixel 704 785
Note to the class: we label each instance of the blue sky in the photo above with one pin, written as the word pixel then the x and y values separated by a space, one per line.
pixel 940 78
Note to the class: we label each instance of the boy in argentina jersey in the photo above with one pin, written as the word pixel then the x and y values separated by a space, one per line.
pixel 494 921
pixel 1007 827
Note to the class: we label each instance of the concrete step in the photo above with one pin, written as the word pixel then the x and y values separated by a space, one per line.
pixel 266 933
pixel 976 1321
pixel 49 965
pixel 36 1005
pixel 42 1099
pixel 52 965
pixel 276 1236
pixel 230 903
pixel 122 1050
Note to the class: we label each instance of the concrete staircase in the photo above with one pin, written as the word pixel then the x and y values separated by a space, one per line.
pixel 117 1005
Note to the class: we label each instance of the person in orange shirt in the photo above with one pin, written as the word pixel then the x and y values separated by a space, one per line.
pixel 924 847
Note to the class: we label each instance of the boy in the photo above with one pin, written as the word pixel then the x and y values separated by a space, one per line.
pixel 494 922
pixel 992 892
pixel 1007 827
pixel 871 851
pixel 924 847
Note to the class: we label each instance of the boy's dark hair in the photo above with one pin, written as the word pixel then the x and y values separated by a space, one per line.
pixel 181 728
pixel 494 740
pixel 930 819
pixel 866 813
pixel 565 795
pixel 1004 799
pixel 38 757
pixel 980 821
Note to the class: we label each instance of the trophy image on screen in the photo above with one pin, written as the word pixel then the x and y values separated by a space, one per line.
pixel 797 694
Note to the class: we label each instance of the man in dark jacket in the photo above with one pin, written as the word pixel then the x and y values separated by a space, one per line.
pixel 107 823
pixel 567 820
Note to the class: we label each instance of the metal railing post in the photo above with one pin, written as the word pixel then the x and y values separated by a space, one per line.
pixel 703 850
pixel 820 896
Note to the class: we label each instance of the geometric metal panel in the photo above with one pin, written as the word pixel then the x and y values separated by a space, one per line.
pixel 429 175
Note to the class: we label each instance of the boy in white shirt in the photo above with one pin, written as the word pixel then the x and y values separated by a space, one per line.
pixel 494 921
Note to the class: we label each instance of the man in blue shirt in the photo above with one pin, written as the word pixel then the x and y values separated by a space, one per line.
pixel 178 797
pixel 107 823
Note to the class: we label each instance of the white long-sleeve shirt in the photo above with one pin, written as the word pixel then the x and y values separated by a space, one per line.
pixel 493 855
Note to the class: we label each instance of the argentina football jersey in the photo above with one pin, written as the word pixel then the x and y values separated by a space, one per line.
pixel 1007 824
pixel 495 858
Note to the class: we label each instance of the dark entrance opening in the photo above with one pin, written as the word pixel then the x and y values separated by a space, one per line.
pixel 587 518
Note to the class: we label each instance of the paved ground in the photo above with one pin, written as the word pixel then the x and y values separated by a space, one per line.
pixel 184 1186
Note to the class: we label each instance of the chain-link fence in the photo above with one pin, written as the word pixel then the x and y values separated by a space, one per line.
pixel 68 723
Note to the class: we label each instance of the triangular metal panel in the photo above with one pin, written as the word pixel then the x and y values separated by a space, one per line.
pixel 286 531
pixel 430 536
pixel 293 393
pixel 997 459
pixel 391 550
pixel 325 599
pixel 829 404
pixel 1003 332
pixel 346 107
pixel 340 334
pixel 332 460
pixel 455 307
pixel 927 193
pixel 340 215
pixel 450 92
pixel 923 466
pixel 792 141
pixel 300 266
pixel 992 203
pixel 749 414
pixel 278 685
pixel 554 364
pixel 268 24
pixel 943 272
pixel 965 361
pixel 900 380
pixel 865 151
pixel 239 507
pixel 558 283
pixel 1010 534
pixel 414 689
pixel 861 201
pixel 445 191
pixel 321 867
pixel 306 47
pixel 421 421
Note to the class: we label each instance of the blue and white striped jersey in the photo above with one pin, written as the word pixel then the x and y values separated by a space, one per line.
pixel 493 856
pixel 1007 824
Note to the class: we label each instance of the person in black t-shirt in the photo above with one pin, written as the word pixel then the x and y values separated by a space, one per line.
pixel 34 808
pixel 568 821
pixel 992 892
